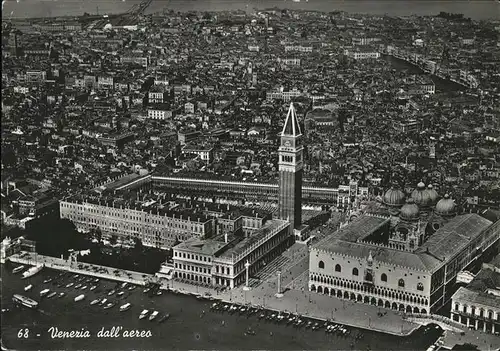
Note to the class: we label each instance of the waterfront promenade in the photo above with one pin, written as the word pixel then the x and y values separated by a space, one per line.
pixel 303 302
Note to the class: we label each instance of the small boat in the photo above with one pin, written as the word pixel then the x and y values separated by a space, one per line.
pixel 52 294
pixel 103 301
pixel 28 287
pixel 84 287
pixel 79 298
pixel 109 305
pixel 70 285
pixel 32 271
pixel 46 281
pixel 125 307
pixel 25 301
pixel 120 293
pixel 96 280
pixel 159 293
pixel 95 302
pixel 44 292
pixel 18 269
pixel 78 286
pixel 153 315
pixel 132 287
pixel 93 287
pixel 143 314
pixel 62 294
pixel 146 290
pixel 164 318
pixel 111 292
pixel 124 285
pixel 250 331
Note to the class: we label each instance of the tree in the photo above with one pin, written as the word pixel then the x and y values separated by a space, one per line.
pixel 113 239
pixel 138 244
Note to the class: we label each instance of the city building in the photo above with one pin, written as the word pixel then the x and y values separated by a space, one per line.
pixel 478 304
pixel 155 226
pixel 406 256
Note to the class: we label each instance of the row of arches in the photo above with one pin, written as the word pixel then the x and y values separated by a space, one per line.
pixel 385 292
pixel 383 276
pixel 367 299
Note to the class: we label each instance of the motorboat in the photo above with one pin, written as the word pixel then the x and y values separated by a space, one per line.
pixel 32 271
pixel 62 294
pixel 46 281
pixel 79 298
pixel 143 314
pixel 44 292
pixel 103 301
pixel 164 318
pixel 109 305
pixel 52 294
pixel 93 287
pixel 111 292
pixel 70 285
pixel 132 287
pixel 153 315
pixel 18 269
pixel 159 293
pixel 94 302
pixel 78 286
pixel 28 287
pixel 25 301
pixel 120 293
pixel 146 290
pixel 125 307
pixel 83 287
pixel 124 285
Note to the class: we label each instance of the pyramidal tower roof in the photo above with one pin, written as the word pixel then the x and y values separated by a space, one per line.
pixel 291 126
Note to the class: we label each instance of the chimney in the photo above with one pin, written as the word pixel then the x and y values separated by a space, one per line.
pixel 225 238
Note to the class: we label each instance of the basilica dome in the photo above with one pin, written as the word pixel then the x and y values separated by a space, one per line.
pixel 433 195
pixel 394 197
pixel 445 206
pixel 421 196
pixel 409 211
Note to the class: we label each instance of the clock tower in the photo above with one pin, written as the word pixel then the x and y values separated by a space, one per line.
pixel 290 168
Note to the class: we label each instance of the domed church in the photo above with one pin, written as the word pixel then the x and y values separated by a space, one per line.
pixel 402 253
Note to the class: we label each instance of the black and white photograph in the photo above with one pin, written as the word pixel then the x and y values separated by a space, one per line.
pixel 277 175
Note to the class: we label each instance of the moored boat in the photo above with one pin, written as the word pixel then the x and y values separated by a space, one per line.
pixel 78 286
pixel 32 271
pixel 153 315
pixel 62 294
pixel 79 297
pixel 103 301
pixel 143 314
pixel 164 318
pixel 46 281
pixel 125 307
pixel 111 292
pixel 25 301
pixel 18 269
pixel 70 285
pixel 109 305
pixel 28 287
pixel 120 293
pixel 94 302
pixel 52 294
pixel 83 287
pixel 44 292
pixel 93 287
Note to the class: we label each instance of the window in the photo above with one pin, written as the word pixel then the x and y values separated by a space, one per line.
pixel 456 307
pixel 383 277
pixel 420 286
pixel 369 277
pixel 338 268
pixel 401 283
pixel 321 264
pixel 355 271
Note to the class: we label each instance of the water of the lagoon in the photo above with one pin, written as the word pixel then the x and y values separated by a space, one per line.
pixel 475 9
pixel 184 330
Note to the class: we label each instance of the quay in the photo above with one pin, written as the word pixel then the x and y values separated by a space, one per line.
pixel 305 303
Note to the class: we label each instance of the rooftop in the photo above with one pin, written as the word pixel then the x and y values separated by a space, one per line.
pixel 200 246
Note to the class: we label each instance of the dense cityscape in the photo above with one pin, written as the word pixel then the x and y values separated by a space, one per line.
pixel 332 171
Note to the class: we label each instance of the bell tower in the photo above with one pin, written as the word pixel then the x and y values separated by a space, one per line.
pixel 290 168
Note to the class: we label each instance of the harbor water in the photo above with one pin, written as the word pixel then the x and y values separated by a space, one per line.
pixel 477 9
pixel 191 324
